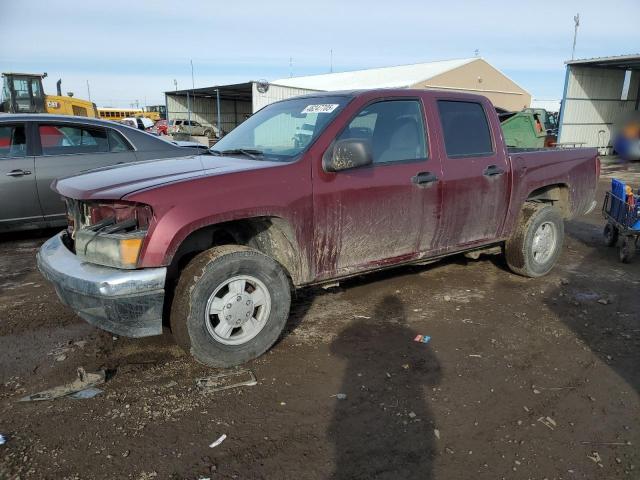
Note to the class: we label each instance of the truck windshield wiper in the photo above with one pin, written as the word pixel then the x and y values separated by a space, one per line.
pixel 249 152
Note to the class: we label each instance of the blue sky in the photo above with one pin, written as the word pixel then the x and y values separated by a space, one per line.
pixel 133 50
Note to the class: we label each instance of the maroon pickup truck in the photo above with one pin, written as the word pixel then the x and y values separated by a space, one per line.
pixel 306 191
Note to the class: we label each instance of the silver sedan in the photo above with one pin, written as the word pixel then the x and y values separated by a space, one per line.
pixel 37 148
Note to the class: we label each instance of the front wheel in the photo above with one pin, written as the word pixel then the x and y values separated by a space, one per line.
pixel 534 248
pixel 230 305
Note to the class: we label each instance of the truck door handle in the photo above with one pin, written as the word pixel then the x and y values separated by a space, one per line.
pixel 493 171
pixel 423 179
pixel 18 173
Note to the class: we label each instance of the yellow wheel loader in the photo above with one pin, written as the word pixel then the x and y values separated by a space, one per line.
pixel 23 93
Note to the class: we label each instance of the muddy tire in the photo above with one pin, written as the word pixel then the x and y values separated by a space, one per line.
pixel 230 305
pixel 534 248
pixel 610 235
pixel 627 249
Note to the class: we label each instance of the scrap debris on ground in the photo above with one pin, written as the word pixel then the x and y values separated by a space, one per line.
pixel 81 387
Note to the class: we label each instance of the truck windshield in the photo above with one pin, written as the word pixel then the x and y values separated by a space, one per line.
pixel 281 131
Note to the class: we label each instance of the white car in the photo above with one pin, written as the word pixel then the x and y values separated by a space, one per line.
pixel 141 123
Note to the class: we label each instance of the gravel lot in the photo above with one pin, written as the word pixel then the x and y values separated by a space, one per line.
pixel 522 379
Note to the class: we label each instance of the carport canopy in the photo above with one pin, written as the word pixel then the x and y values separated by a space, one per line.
pixel 238 91
pixel 598 92
pixel 201 104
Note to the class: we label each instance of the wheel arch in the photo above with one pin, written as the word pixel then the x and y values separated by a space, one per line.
pixel 557 194
pixel 271 235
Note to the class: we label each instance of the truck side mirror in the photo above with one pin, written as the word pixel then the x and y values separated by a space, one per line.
pixel 346 154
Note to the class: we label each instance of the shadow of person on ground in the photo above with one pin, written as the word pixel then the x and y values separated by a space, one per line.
pixel 384 427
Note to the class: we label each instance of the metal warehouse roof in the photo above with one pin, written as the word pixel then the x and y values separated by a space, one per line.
pixel 626 62
pixel 401 76
pixel 236 91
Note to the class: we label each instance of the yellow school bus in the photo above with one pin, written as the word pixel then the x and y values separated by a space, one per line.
pixel 117 114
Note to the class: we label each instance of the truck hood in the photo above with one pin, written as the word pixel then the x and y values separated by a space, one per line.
pixel 114 182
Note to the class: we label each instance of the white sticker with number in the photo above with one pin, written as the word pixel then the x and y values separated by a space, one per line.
pixel 320 108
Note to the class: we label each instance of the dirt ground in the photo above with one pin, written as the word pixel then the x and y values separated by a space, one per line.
pixel 522 379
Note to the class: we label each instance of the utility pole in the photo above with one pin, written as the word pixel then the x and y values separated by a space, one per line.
pixel 192 99
pixel 193 83
pixel 576 20
pixel 88 90
pixel 219 112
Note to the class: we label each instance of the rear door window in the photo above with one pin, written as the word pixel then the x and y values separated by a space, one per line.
pixel 465 129
pixel 13 141
pixel 65 140
pixel 117 143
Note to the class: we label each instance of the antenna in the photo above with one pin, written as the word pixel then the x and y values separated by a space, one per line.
pixel 576 20
pixel 88 90
pixel 476 53
pixel 331 61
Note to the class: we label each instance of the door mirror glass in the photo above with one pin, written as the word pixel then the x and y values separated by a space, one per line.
pixel 347 154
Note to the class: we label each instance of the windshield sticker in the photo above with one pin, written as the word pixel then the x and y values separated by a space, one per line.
pixel 320 108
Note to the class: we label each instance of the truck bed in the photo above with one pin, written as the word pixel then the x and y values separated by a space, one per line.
pixel 575 170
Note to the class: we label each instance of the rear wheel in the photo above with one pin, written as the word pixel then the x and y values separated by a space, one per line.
pixel 231 304
pixel 534 248
pixel 610 235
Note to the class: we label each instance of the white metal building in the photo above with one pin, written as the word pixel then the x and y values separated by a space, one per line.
pixel 472 75
pixel 550 105
pixel 597 92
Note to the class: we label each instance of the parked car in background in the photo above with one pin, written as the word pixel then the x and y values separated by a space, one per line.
pixel 37 148
pixel 161 127
pixel 192 127
pixel 383 178
pixel 141 123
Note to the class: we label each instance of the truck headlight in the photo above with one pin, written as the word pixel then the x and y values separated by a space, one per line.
pixel 112 233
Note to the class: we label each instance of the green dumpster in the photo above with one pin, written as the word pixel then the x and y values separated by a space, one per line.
pixel 526 129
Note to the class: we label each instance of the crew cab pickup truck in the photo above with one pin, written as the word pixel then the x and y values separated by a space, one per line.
pixel 212 246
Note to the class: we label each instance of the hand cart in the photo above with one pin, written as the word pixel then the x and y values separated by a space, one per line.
pixel 622 212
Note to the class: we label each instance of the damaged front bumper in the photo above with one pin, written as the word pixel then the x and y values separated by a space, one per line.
pixel 124 302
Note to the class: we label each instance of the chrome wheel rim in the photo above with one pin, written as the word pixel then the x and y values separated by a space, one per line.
pixel 237 310
pixel 544 242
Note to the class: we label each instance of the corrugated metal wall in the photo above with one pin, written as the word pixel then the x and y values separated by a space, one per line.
pixel 275 93
pixel 233 112
pixel 593 104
